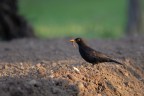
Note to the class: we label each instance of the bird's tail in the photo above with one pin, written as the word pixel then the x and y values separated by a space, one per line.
pixel 116 62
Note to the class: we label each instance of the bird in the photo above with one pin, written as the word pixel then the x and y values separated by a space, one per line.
pixel 90 55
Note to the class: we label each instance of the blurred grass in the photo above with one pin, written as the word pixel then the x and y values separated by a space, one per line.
pixel 59 18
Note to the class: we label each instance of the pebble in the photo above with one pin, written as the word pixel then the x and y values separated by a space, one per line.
pixel 80 86
pixel 73 78
pixel 1 67
pixel 99 95
pixel 42 71
pixel 55 90
pixel 126 74
pixel 33 82
pixel 76 69
pixel 54 64
pixel 38 65
pixel 6 67
pixel 21 66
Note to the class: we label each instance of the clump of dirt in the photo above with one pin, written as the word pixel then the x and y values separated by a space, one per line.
pixel 32 67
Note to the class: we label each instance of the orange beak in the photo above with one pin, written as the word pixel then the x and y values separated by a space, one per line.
pixel 73 42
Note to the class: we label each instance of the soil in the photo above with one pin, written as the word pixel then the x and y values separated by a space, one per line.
pixel 53 67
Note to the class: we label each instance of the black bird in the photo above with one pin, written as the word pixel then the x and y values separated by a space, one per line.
pixel 90 55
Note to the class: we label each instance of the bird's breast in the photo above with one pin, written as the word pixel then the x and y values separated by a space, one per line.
pixel 86 55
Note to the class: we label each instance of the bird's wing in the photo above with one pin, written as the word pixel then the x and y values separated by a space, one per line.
pixel 92 54
pixel 99 55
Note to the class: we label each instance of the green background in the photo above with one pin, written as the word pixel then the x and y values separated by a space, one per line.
pixel 77 18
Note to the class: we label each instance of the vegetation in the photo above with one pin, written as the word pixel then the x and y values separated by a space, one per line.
pixel 59 18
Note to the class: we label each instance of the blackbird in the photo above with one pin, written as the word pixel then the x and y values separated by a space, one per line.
pixel 90 55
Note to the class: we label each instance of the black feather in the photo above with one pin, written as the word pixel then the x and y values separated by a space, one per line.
pixel 92 56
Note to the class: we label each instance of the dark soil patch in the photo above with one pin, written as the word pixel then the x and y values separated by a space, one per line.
pixel 32 67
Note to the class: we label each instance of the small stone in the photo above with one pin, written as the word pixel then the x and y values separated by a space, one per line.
pixel 42 71
pixel 1 67
pixel 73 78
pixel 80 86
pixel 21 66
pixel 99 95
pixel 33 82
pixel 126 74
pixel 119 87
pixel 51 76
pixel 76 69
pixel 21 63
pixel 55 90
pixel 38 65
pixel 72 87
pixel 54 64
pixel 32 67
pixel 6 67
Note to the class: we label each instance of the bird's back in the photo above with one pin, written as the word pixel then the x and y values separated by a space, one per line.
pixel 92 56
pixel 89 54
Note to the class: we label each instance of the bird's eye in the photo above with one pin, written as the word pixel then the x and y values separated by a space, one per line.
pixel 79 40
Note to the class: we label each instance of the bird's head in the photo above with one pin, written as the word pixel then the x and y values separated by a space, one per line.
pixel 77 40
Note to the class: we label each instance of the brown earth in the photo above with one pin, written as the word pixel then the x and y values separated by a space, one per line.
pixel 32 67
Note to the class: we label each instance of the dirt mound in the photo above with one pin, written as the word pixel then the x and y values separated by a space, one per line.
pixel 30 67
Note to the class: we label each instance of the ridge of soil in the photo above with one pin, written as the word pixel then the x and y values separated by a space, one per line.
pixel 52 67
